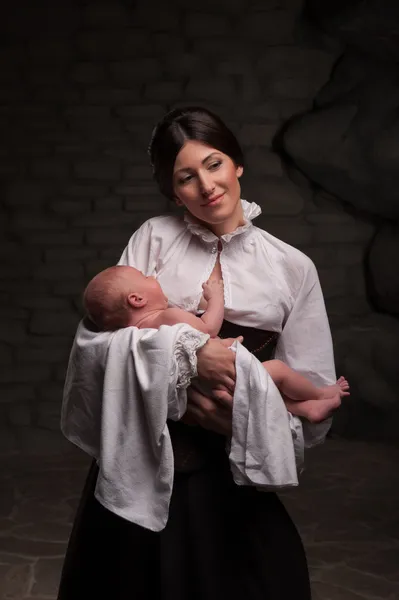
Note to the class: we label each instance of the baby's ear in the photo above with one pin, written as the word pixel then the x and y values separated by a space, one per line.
pixel 136 300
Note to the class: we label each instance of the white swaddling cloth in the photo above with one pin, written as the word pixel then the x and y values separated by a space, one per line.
pixel 120 389
pixel 262 450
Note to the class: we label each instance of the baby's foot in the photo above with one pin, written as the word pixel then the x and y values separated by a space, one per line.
pixel 329 391
pixel 344 385
pixel 329 400
pixel 316 411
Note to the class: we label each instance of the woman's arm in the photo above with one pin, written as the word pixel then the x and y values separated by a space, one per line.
pixel 141 250
pixel 305 345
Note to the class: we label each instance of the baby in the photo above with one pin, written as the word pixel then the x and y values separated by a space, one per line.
pixel 122 296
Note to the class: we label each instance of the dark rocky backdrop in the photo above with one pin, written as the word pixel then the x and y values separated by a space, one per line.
pixel 312 92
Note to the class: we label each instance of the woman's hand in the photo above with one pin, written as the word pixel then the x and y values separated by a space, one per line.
pixel 216 364
pixel 208 413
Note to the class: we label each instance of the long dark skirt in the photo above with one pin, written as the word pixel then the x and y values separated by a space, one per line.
pixel 221 541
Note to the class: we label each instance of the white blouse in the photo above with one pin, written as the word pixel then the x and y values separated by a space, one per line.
pixel 268 284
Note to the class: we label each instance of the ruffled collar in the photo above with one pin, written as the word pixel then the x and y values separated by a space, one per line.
pixel 251 210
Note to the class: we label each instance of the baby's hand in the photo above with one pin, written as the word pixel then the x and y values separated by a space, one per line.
pixel 213 288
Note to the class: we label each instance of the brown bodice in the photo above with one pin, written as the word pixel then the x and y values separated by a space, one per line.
pixel 195 447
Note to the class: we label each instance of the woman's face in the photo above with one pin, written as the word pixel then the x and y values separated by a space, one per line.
pixel 205 181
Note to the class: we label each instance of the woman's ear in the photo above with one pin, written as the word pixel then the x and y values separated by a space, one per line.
pixel 177 201
pixel 136 300
pixel 239 171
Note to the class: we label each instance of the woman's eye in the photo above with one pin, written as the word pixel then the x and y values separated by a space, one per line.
pixel 212 167
pixel 185 179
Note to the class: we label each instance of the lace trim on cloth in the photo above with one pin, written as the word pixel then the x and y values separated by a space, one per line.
pixel 250 209
pixel 185 356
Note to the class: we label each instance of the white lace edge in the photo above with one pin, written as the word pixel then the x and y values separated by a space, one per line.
pixel 251 210
pixel 185 354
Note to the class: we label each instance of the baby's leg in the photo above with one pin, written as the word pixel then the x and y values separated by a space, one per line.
pixel 291 383
pixel 301 397
pixel 316 411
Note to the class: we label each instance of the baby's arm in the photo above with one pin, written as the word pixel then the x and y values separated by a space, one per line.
pixel 211 321
pixel 214 314
pixel 172 316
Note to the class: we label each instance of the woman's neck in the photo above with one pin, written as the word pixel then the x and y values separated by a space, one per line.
pixel 229 225
pixel 226 227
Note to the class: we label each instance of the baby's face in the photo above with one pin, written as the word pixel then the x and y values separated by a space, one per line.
pixel 154 291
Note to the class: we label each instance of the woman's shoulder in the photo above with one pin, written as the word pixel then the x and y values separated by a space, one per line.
pixel 164 224
pixel 283 252
pixel 162 221
pixel 291 267
pixel 158 228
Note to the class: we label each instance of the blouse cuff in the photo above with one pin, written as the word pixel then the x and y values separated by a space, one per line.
pixel 189 342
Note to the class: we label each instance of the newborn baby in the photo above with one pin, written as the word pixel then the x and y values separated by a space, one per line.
pixel 122 296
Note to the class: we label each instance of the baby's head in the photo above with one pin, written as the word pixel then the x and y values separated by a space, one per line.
pixel 119 296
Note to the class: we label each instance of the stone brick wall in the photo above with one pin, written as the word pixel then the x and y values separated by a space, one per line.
pixel 81 87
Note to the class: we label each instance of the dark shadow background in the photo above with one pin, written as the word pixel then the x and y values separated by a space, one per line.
pixel 82 86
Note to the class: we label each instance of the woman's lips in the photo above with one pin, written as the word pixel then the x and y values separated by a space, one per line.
pixel 213 201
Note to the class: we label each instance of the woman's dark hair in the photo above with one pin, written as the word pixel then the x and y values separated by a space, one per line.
pixel 179 126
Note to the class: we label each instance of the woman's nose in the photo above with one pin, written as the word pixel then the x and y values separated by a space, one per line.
pixel 206 184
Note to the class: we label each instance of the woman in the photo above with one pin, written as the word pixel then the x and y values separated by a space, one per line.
pixel 221 540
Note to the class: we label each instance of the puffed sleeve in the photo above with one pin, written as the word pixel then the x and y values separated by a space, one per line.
pixel 305 345
pixel 140 251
